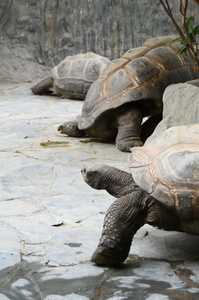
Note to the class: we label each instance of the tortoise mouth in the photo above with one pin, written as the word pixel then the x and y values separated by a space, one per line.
pixel 89 177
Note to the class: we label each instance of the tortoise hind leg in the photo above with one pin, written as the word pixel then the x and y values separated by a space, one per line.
pixel 43 87
pixel 128 122
pixel 71 128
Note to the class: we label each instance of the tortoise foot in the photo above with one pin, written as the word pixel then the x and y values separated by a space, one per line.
pixel 127 145
pixel 70 128
pixel 101 257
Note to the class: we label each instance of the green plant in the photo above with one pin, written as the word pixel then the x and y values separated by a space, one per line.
pixel 188 35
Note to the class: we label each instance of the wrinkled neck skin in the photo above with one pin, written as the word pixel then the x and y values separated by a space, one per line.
pixel 120 184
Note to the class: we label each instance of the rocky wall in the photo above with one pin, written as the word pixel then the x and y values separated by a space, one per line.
pixel 36 35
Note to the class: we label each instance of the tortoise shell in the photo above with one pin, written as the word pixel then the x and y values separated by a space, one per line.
pixel 74 75
pixel 139 76
pixel 168 169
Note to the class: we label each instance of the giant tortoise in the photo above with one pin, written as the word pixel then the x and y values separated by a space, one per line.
pixel 73 76
pixel 163 191
pixel 129 89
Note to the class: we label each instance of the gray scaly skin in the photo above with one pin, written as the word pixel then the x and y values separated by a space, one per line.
pixel 133 208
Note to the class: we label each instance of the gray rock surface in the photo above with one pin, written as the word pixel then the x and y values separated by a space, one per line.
pixel 180 106
pixel 51 220
pixel 37 35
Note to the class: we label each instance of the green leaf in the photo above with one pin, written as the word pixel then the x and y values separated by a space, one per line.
pixel 184 41
pixel 191 38
pixel 184 51
pixel 196 30
pixel 172 42
pixel 189 24
pixel 191 20
pixel 181 50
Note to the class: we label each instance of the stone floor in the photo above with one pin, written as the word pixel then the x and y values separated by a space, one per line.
pixel 51 220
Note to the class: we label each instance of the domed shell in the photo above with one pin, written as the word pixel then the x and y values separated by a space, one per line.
pixel 168 169
pixel 140 75
pixel 74 75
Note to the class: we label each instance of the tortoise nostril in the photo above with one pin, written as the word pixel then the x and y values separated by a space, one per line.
pixel 83 171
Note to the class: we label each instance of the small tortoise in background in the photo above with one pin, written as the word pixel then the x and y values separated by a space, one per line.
pixel 73 76
pixel 163 191
pixel 129 89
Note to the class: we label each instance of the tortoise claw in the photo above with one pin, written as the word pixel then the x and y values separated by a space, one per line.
pixel 101 258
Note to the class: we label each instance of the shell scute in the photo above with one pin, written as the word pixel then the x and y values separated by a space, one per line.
pixel 62 70
pixel 173 171
pixel 163 192
pixel 172 76
pixel 178 166
pixel 185 205
pixel 77 68
pixel 185 73
pixel 159 41
pixel 90 105
pixel 113 66
pixel 135 53
pixel 92 70
pixel 164 57
pixel 117 83
pixel 142 70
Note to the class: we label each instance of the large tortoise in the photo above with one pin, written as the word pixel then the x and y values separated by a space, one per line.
pixel 163 191
pixel 73 76
pixel 129 89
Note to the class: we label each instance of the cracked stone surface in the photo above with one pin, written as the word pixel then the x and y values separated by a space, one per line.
pixel 51 220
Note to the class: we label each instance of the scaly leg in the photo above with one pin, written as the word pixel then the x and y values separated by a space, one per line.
pixel 124 217
pixel 128 121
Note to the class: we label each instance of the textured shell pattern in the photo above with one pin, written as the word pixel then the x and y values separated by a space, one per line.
pixel 168 169
pixel 140 76
pixel 74 75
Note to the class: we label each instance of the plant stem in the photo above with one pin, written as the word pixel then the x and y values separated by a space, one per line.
pixel 192 51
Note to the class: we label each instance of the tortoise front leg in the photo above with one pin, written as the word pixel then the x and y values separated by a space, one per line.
pixel 124 217
pixel 128 122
